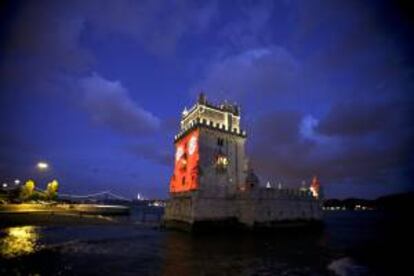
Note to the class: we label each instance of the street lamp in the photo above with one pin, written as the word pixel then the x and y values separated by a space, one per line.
pixel 16 181
pixel 4 185
pixel 42 166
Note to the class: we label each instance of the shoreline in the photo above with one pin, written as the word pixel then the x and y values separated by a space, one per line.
pixel 60 214
pixel 48 219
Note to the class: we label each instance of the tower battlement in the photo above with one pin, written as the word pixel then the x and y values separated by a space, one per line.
pixel 224 116
pixel 202 122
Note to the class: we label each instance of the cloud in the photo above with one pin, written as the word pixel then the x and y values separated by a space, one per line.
pixel 157 25
pixel 307 127
pixel 276 146
pixel 46 40
pixel 247 28
pixel 359 143
pixel 349 119
pixel 279 127
pixel 354 118
pixel 152 152
pixel 257 71
pixel 375 138
pixel 43 42
pixel 325 88
pixel 109 104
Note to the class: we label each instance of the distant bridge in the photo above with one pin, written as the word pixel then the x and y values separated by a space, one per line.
pixel 104 195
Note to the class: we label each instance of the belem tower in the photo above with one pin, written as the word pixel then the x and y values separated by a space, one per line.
pixel 213 184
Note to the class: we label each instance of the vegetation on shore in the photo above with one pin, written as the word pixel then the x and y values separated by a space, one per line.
pixel 28 192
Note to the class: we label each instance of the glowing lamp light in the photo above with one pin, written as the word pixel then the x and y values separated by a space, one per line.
pixel 16 181
pixel 222 162
pixel 42 166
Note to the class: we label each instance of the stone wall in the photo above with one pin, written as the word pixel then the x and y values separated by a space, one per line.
pixel 180 208
pixel 233 149
pixel 260 207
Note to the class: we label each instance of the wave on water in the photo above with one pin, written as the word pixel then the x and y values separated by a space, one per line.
pixel 347 266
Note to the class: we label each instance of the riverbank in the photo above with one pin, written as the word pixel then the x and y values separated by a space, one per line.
pixel 60 214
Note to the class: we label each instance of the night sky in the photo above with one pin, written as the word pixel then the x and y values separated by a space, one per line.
pixel 96 88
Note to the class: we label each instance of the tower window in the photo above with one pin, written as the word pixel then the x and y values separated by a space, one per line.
pixel 183 181
pixel 220 142
pixel 221 163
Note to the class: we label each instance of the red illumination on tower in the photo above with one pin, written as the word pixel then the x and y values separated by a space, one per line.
pixel 185 177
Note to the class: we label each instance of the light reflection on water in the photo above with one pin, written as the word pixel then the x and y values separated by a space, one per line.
pixel 18 241
pixel 353 241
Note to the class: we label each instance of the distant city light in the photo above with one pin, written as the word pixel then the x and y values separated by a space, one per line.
pixel 4 185
pixel 140 197
pixel 17 181
pixel 42 165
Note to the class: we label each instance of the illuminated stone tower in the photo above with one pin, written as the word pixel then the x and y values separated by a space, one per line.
pixel 212 183
pixel 209 150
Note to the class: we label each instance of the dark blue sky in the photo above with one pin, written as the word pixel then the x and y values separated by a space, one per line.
pixel 96 88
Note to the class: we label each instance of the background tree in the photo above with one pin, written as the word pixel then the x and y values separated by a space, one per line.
pixel 27 189
pixel 51 190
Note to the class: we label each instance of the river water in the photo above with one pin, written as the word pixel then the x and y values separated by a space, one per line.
pixel 351 243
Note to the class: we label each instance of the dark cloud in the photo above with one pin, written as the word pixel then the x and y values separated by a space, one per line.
pixel 375 137
pixel 141 21
pixel 353 143
pixel 43 43
pixel 358 118
pixel 45 40
pixel 109 104
pixel 152 152
pixel 278 149
pixel 246 28
pixel 280 127
pixel 386 122
pixel 347 85
pixel 256 71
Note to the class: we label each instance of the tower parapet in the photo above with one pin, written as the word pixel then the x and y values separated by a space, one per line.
pixel 224 116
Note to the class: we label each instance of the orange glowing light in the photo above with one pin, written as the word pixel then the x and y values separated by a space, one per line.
pixel 315 187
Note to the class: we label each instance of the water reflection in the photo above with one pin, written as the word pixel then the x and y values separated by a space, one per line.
pixel 17 241
pixel 254 253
